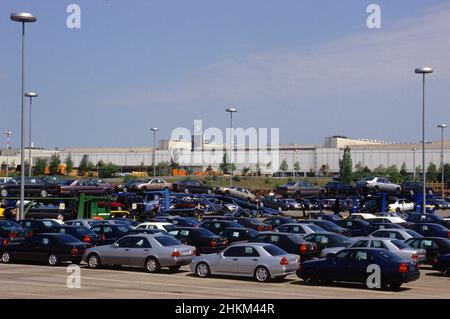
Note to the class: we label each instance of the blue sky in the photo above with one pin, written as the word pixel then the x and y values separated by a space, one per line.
pixel 311 68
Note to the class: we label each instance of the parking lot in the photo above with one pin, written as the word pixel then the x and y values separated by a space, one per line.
pixel 31 281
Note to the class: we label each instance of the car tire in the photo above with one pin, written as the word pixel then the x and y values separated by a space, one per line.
pixel 4 193
pixel 202 270
pixel 394 285
pixel 124 190
pixel 446 271
pixel 311 277
pixel 53 259
pixel 74 193
pixel 44 193
pixel 152 265
pixel 6 257
pixel 262 274
pixel 93 261
pixel 227 193
pixel 174 268
pixel 376 188
pixel 209 192
pixel 397 190
pixel 186 190
pixel 398 210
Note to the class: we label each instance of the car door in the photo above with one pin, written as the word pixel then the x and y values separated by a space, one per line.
pixel 139 251
pixel 249 260
pixel 119 254
pixel 357 270
pixel 431 248
pixel 228 262
pixel 337 266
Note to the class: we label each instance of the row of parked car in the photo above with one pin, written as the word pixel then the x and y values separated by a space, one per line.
pixel 321 249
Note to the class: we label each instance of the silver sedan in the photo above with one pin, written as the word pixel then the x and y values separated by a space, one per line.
pixel 259 260
pixel 299 228
pixel 396 246
pixel 150 251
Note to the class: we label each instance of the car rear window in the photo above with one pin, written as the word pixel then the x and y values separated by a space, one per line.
pixel 296 238
pixel 274 250
pixel 399 244
pixel 315 228
pixel 67 239
pixel 167 241
pixel 389 256
pixel 205 232
pixel 413 233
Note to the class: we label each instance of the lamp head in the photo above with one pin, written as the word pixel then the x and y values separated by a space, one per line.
pixel 424 70
pixel 23 17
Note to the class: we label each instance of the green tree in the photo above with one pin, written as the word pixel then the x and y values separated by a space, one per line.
pixel 393 174
pixel 269 165
pixel 432 172
pixel 69 163
pixel 39 166
pixel 346 166
pixel 174 164
pixel 224 167
pixel 418 170
pixel 107 170
pixel 284 166
pixel 447 174
pixel 379 170
pixel 245 170
pixel 55 161
pixel 83 166
pixel 297 166
pixel 209 169
pixel 325 169
pixel 404 171
pixel 90 168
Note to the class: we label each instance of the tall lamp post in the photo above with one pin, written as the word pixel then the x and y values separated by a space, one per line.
pixel 154 129
pixel 442 127
pixel 30 95
pixel 8 134
pixel 231 110
pixel 423 72
pixel 414 163
pixel 22 17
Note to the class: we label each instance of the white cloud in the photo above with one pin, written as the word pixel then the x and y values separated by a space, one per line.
pixel 370 61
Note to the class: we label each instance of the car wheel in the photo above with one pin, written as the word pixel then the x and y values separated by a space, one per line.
pixel 376 188
pixel 209 192
pixel 74 193
pixel 397 210
pixel 124 190
pixel 152 265
pixel 44 193
pixel 4 193
pixel 6 257
pixel 227 193
pixel 53 260
pixel 311 277
pixel 174 268
pixel 186 191
pixel 397 189
pixel 202 270
pixel 262 274
pixel 93 261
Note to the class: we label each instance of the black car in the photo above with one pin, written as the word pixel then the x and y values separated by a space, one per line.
pixel 275 203
pixel 350 265
pixel 37 226
pixel 234 234
pixel 81 233
pixel 328 240
pixel 52 248
pixel 412 187
pixel 11 230
pixel 109 233
pixel 442 264
pixel 431 230
pixel 326 225
pixel 339 188
pixel 291 243
pixel 191 186
pixel 355 227
pixel 204 240
pixel 434 246
pixel 34 186
pixel 180 221
pixel 147 231
pixel 216 226
pixel 253 223
pixel 427 218
pixel 278 221
pixel 61 211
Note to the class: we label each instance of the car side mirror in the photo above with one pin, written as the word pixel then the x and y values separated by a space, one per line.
pixel 115 245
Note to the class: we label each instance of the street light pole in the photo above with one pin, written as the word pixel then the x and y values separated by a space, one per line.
pixel 154 129
pixel 442 127
pixel 31 95
pixel 22 17
pixel 8 134
pixel 231 110
pixel 423 72
pixel 414 163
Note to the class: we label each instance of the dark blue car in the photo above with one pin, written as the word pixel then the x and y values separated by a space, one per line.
pixel 355 227
pixel 350 265
pixel 380 226
pixel 326 225
pixel 442 264
pixel 427 218
pixel 329 217
pixel 431 230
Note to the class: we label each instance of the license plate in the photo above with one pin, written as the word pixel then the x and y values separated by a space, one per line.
pixel 186 253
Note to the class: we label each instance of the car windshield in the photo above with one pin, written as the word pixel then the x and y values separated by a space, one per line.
pixel 342 240
pixel 329 225
pixel 167 241
pixel 274 250
pixel 296 238
pixel 8 224
pixel 399 244
pixel 84 231
pixel 290 184
pixel 413 233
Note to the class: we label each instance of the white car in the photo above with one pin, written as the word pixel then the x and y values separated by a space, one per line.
pixel 401 205
pixel 364 216
pixel 381 184
pixel 390 219
pixel 155 225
